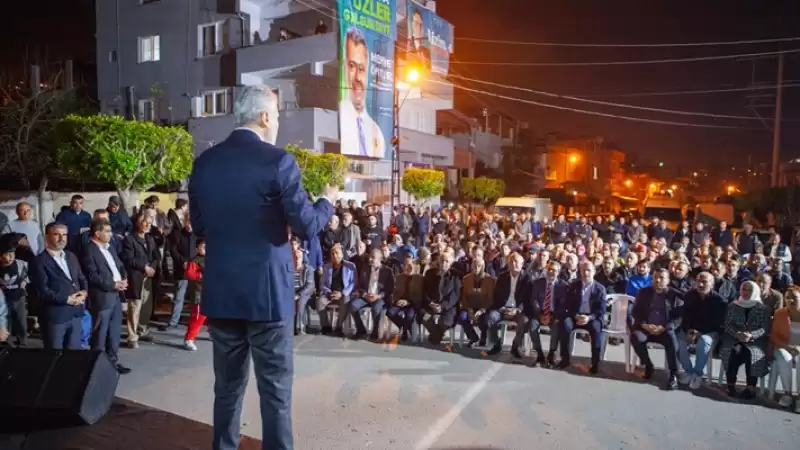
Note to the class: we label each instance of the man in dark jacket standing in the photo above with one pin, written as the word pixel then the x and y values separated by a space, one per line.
pixel 248 295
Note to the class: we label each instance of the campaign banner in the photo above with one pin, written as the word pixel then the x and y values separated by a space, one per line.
pixel 430 38
pixel 367 31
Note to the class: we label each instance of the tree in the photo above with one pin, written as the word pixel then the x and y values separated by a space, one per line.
pixel 319 169
pixel 28 119
pixel 482 189
pixel 134 156
pixel 423 183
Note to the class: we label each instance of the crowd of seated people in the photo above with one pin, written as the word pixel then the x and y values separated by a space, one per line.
pixel 691 291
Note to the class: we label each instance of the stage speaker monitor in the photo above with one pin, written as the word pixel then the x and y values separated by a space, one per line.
pixel 46 388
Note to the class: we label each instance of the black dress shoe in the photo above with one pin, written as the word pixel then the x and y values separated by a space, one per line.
pixel 515 352
pixel 672 382
pixel 562 365
pixel 648 372
pixel 551 359
pixel 594 369
pixel 747 394
pixel 495 350
pixel 540 361
pixel 122 369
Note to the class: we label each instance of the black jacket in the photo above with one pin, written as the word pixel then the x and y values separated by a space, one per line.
pixel 705 315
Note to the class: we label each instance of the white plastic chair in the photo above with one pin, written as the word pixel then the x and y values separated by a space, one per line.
pixel 618 327
pixel 773 378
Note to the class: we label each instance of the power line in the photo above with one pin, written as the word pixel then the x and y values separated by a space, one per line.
pixel 597 113
pixel 620 63
pixel 683 44
pixel 693 92
pixel 604 103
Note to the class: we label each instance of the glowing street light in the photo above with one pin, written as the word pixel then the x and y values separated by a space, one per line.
pixel 573 159
pixel 575 193
pixel 731 189
pixel 653 186
pixel 628 183
pixel 413 75
pixel 674 187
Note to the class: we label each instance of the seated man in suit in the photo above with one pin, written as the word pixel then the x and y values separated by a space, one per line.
pixel 303 289
pixel 374 289
pixel 406 298
pixel 107 280
pixel 441 292
pixel 62 290
pixel 338 281
pixel 511 292
pixel 548 293
pixel 657 314
pixel 477 296
pixel 583 308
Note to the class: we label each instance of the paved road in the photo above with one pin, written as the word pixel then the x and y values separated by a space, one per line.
pixel 359 395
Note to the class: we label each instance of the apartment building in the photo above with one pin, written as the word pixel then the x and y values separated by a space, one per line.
pixel 182 61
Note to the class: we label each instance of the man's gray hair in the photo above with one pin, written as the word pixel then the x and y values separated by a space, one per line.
pixel 355 36
pixel 252 101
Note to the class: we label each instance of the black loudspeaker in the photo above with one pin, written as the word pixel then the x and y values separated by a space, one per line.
pixel 47 388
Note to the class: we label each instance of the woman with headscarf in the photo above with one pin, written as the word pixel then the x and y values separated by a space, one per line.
pixel 746 339
pixel 785 340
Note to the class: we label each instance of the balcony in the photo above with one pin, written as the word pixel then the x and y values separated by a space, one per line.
pixel 424 148
pixel 270 58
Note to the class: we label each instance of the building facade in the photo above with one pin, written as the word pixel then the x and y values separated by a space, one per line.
pixel 182 61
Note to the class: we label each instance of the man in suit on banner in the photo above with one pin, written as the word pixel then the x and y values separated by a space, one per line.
pixel 360 134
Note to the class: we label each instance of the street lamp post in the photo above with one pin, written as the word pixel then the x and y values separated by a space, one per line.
pixel 413 76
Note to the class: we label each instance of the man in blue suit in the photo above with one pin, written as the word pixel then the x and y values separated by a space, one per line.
pixel 245 197
pixel 62 290
pixel 583 308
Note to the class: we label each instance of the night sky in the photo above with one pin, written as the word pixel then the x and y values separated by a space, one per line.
pixel 624 22
pixel 58 28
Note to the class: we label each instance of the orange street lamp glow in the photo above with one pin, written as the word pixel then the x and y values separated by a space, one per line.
pixel 628 183
pixel 653 186
pixel 412 75
pixel 573 159
pixel 574 192
pixel 731 189
pixel 674 187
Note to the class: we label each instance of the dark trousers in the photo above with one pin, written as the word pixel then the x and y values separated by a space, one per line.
pixel 106 330
pixel 376 308
pixel 59 336
pixel 403 317
pixel 18 320
pixel 735 361
pixel 270 345
pixel 491 323
pixel 468 326
pixel 536 337
pixel 667 339
pixel 595 329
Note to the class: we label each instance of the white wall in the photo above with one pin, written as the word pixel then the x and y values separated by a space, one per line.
pixel 54 201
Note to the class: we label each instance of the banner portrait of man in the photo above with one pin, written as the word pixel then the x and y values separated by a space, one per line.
pixel 360 133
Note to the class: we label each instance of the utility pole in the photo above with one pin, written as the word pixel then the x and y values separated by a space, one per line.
pixel 776 128
pixel 395 180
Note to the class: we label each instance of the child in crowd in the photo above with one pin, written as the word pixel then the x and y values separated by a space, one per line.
pixel 13 280
pixel 194 274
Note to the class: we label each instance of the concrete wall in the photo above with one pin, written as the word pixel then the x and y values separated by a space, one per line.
pixel 54 201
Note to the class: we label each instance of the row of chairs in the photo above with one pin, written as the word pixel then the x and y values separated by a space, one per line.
pixel 616 328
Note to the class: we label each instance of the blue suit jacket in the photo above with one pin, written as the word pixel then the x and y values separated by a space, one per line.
pixel 54 286
pixel 244 195
pixel 348 278
pixel 572 303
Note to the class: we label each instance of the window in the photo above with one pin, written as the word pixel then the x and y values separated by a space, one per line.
pixel 147 110
pixel 215 103
pixel 209 39
pixel 149 49
pixel 594 172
